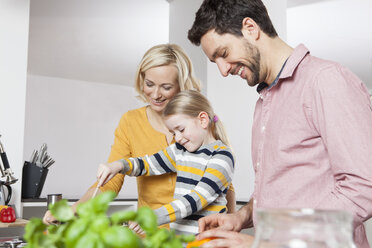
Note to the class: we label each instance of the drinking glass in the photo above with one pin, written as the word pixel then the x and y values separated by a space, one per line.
pixel 303 228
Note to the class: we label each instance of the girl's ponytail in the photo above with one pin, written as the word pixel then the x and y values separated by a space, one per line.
pixel 219 131
pixel 191 103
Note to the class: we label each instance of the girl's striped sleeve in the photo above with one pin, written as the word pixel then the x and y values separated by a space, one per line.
pixel 156 164
pixel 214 182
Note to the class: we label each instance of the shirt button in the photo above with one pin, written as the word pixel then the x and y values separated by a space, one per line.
pixel 258 164
pixel 255 202
pixel 263 129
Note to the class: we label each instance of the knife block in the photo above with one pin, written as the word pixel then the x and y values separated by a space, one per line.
pixel 33 179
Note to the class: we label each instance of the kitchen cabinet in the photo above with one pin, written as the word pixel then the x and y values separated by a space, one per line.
pixel 37 207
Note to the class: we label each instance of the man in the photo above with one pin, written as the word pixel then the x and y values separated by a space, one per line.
pixel 312 127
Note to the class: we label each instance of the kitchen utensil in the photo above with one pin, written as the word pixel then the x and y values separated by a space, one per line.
pixel 43 150
pixel 12 242
pixel 5 200
pixel 53 198
pixel 95 192
pixel 33 156
pixel 6 172
pixel 33 179
pixel 41 158
pixel 34 172
pixel 48 163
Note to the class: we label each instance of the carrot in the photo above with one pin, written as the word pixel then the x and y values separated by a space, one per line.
pixel 197 243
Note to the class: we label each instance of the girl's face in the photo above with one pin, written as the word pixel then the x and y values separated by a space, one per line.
pixel 160 86
pixel 190 132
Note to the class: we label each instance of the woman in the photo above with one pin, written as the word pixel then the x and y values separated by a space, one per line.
pixel 163 71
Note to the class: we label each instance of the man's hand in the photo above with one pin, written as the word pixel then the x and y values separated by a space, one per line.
pixel 225 228
pixel 227 222
pixel 226 239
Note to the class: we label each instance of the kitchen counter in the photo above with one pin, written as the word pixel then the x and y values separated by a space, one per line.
pixel 37 207
pixel 17 223
pixel 73 199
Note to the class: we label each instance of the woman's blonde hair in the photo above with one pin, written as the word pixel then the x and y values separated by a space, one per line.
pixel 162 55
pixel 191 103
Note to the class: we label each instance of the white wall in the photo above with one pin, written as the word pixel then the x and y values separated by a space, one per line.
pixel 278 15
pixel 94 40
pixel 14 21
pixel 181 18
pixel 77 120
pixel 336 30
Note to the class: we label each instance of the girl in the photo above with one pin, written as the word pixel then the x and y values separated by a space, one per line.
pixel 200 156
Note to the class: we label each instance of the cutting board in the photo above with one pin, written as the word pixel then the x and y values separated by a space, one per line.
pixel 18 222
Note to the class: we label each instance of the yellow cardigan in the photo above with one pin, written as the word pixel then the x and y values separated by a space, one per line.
pixel 135 137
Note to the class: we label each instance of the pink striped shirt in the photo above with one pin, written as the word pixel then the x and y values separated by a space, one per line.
pixel 312 141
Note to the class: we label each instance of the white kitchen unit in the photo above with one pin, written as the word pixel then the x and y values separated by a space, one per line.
pixel 37 208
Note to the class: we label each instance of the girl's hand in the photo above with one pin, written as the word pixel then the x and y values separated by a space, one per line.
pixel 107 171
pixel 136 228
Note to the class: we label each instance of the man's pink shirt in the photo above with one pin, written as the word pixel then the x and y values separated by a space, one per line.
pixel 312 141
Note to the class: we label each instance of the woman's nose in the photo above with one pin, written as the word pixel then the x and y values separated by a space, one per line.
pixel 223 66
pixel 155 93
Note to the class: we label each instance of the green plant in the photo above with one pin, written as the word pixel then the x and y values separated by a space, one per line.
pixel 92 228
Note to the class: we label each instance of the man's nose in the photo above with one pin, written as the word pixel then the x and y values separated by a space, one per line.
pixel 223 66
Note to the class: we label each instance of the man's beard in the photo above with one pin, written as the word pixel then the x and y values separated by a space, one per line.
pixel 254 62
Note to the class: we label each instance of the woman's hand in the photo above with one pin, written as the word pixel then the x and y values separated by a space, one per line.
pixel 49 219
pixel 107 171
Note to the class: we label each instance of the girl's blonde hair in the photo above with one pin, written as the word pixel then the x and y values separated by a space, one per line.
pixel 191 103
pixel 162 55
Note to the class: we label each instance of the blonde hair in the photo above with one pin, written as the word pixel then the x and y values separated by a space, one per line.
pixel 162 55
pixel 191 103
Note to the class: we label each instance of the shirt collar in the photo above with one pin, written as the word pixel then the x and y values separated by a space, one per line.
pixel 263 85
pixel 278 76
pixel 289 66
pixel 294 60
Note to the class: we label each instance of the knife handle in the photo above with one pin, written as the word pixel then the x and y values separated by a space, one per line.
pixel 4 158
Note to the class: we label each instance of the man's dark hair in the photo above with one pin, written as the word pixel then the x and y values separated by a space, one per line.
pixel 226 16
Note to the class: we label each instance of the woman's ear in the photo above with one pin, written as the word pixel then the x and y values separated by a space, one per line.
pixel 204 119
